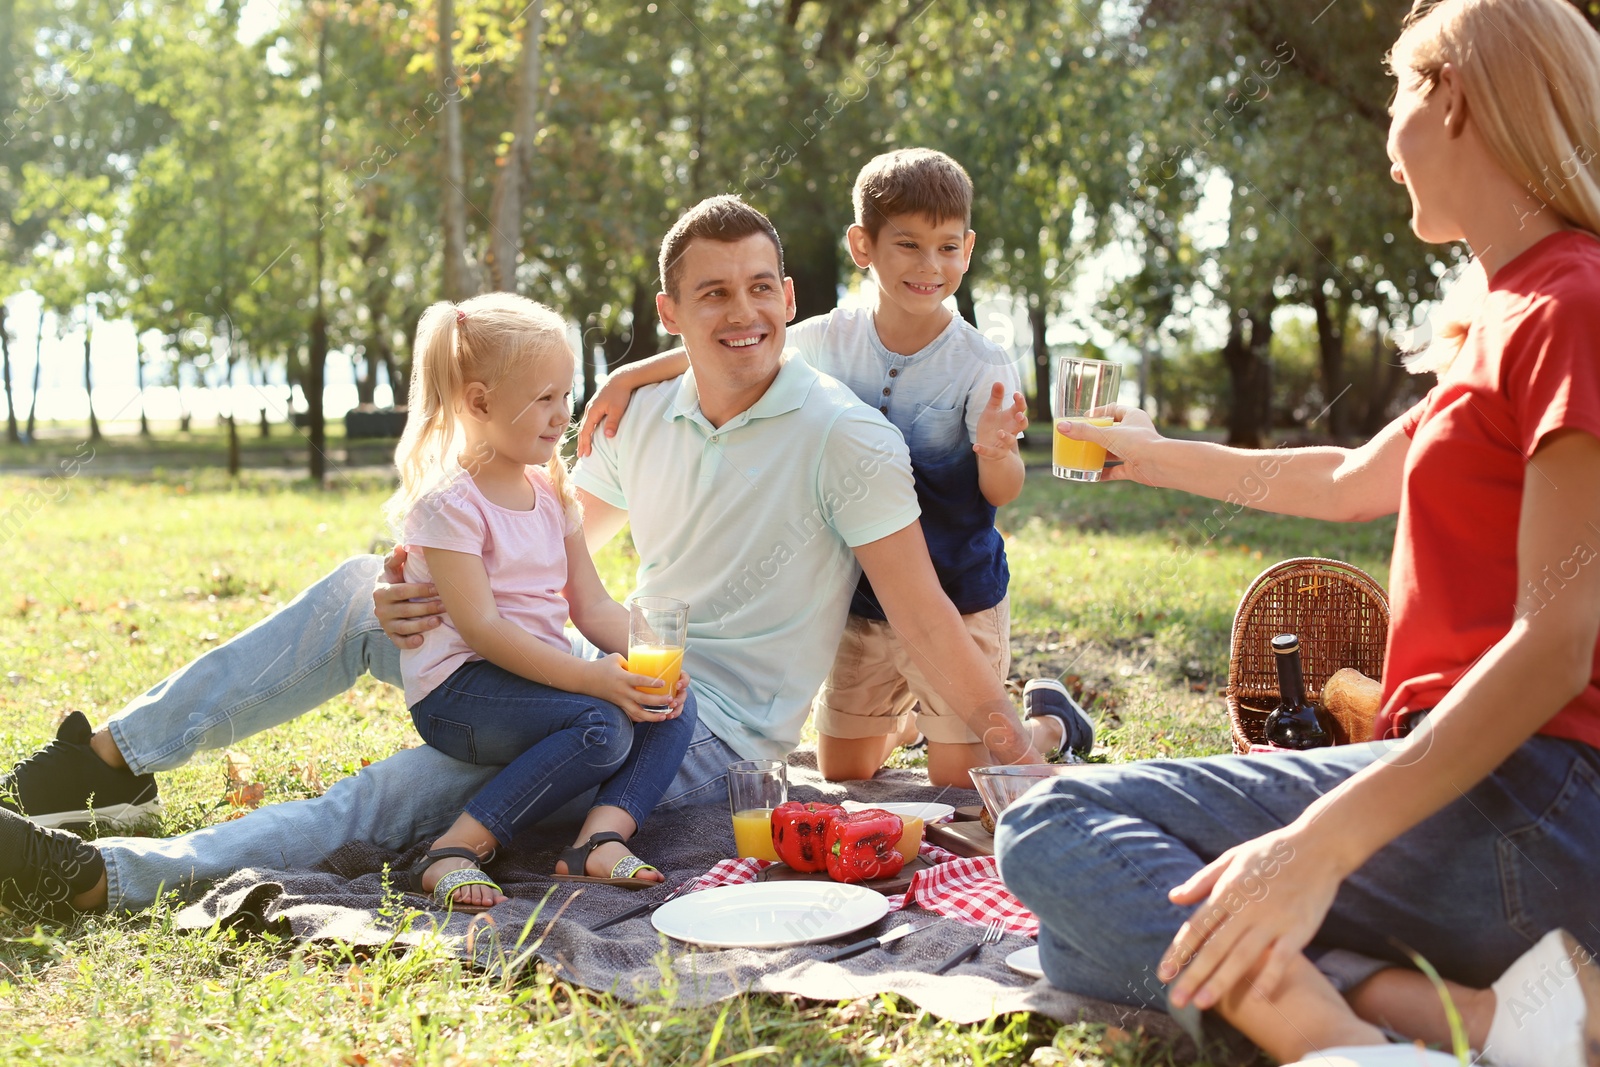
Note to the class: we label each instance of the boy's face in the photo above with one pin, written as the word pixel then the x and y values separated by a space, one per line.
pixel 916 261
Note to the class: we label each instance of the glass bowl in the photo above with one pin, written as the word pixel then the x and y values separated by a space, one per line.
pixel 1001 786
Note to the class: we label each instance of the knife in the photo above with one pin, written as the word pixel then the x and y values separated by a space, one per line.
pixel 859 947
pixel 634 913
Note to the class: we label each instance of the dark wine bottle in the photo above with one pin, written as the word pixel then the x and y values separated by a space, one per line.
pixel 1295 722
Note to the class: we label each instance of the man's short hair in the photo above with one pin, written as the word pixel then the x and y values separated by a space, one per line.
pixel 912 181
pixel 719 218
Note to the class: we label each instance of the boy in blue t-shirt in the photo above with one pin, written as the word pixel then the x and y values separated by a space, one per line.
pixel 943 385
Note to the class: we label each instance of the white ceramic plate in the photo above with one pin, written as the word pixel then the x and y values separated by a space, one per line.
pixel 1026 961
pixel 929 813
pixel 770 914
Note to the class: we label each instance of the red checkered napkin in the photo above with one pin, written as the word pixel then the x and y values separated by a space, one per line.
pixel 965 889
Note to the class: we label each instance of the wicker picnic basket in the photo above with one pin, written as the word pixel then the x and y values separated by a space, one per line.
pixel 1341 615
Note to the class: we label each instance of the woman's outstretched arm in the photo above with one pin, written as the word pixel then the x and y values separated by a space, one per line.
pixel 1341 484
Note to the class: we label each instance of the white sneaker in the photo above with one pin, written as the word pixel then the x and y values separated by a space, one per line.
pixel 1378 1056
pixel 1547 1008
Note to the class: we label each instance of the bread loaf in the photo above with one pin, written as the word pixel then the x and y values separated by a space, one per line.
pixel 1353 700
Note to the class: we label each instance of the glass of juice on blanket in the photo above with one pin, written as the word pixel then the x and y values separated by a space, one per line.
pixel 658 628
pixel 755 787
pixel 1080 386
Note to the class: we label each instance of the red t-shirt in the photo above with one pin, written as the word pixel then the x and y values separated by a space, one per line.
pixel 1530 366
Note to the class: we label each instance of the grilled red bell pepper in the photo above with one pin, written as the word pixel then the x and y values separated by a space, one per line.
pixel 862 845
pixel 800 834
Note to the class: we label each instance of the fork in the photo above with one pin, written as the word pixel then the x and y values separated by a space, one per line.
pixel 992 932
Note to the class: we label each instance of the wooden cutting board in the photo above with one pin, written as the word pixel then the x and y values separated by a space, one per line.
pixel 780 872
pixel 962 838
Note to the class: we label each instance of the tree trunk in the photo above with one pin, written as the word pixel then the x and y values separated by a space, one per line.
pixel 637 340
pixel 233 414
pixel 1249 378
pixel 459 283
pixel 88 379
pixel 1330 345
pixel 144 420
pixel 586 356
pixel 811 249
pixel 505 208
pixel 1383 381
pixel 1038 322
pixel 5 356
pixel 38 363
pixel 965 305
pixel 377 298
pixel 317 357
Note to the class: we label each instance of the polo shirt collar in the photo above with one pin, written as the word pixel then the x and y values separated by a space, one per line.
pixel 787 392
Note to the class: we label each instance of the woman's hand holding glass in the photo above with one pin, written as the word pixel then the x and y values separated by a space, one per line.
pixel 1132 439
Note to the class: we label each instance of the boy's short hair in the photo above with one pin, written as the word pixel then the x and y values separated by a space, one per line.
pixel 718 218
pixel 911 181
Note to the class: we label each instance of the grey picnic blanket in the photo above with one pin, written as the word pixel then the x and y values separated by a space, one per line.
pixel 348 900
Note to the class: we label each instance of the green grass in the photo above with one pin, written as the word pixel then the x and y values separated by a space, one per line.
pixel 113 582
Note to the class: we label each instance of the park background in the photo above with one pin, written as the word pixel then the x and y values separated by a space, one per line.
pixel 222 220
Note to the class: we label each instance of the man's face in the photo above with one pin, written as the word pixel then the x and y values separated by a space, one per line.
pixel 730 311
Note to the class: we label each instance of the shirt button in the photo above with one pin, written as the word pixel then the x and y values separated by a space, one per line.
pixel 886 391
pixel 884 409
pixel 715 438
pixel 893 371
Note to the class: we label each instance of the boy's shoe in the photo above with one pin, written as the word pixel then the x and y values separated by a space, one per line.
pixel 1547 1008
pixel 65 784
pixel 42 870
pixel 1046 696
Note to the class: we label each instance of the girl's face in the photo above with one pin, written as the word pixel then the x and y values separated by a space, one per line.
pixel 1422 153
pixel 530 409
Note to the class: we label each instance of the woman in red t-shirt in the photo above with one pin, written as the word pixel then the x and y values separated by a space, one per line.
pixel 1283 891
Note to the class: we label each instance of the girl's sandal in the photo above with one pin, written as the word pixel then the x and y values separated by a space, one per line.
pixel 577 859
pixel 444 891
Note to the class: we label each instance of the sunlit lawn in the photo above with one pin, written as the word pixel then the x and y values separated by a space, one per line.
pixel 112 583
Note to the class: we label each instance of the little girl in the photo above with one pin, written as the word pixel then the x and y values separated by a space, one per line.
pixel 485 509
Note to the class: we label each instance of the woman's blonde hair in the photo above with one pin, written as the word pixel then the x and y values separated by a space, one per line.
pixel 1531 71
pixel 483 339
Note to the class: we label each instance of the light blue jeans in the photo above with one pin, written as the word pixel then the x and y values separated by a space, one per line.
pixel 313 649
pixel 1470 889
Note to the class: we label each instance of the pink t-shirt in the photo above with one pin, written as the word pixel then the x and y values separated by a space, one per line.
pixel 524 553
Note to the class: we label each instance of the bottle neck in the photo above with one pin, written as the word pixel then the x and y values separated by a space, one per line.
pixel 1291 682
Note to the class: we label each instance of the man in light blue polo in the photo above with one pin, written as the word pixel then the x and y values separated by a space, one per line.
pixel 755 487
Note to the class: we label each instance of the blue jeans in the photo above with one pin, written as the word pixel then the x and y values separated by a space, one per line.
pixel 313 649
pixel 552 746
pixel 1470 888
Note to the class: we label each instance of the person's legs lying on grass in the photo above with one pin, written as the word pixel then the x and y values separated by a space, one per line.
pixel 1094 855
pixel 311 650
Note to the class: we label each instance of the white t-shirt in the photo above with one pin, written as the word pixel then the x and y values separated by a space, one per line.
pixel 933 396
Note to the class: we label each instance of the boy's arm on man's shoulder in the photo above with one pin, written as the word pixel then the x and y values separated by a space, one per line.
pixel 611 401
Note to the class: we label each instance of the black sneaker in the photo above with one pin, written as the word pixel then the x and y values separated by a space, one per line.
pixel 42 870
pixel 1046 696
pixel 65 784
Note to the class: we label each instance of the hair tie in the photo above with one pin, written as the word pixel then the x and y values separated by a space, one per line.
pixel 461 317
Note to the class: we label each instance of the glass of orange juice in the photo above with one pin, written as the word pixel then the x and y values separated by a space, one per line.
pixel 755 787
pixel 1080 386
pixel 658 629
